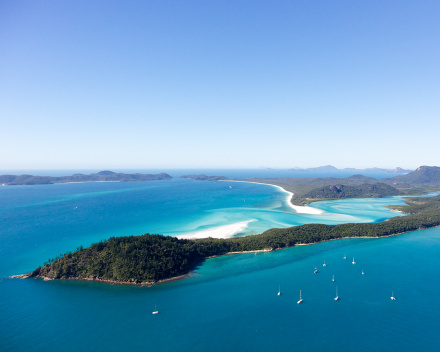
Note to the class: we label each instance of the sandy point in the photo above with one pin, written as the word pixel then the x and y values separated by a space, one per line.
pixel 299 209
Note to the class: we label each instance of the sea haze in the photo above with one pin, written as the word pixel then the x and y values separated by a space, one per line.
pixel 231 173
pixel 227 303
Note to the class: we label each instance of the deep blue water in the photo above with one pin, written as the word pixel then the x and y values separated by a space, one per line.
pixel 228 303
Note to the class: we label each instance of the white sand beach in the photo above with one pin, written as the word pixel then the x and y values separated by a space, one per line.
pixel 299 209
pixel 224 231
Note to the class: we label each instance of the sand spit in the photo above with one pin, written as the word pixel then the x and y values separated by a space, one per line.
pixel 225 231
pixel 299 209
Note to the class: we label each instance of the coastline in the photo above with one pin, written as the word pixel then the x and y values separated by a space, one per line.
pixel 299 209
pixel 184 276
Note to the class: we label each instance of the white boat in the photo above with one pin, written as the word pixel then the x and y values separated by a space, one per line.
pixel 324 263
pixel 337 297
pixel 333 278
pixel 345 257
pixel 300 298
pixel 155 311
pixel 353 262
pixel 316 271
pixel 279 291
pixel 392 296
pixel 363 272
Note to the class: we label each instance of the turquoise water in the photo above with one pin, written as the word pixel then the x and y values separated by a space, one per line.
pixel 228 303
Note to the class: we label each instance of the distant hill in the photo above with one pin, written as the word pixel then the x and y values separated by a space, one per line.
pixel 422 176
pixel 366 190
pixel 102 176
pixel 326 168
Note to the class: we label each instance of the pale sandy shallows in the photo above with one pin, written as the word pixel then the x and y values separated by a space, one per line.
pixel 230 230
pixel 225 231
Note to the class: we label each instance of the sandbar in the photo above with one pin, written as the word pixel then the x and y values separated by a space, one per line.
pixel 224 231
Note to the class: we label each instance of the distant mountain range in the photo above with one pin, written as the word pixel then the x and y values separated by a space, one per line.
pixel 102 176
pixel 330 168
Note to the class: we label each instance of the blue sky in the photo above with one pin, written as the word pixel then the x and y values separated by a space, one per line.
pixel 162 84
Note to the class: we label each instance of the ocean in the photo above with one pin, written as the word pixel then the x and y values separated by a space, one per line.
pixel 227 303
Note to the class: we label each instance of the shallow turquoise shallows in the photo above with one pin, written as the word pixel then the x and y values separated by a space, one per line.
pixel 229 303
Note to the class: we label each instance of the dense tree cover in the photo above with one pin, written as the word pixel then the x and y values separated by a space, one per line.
pixel 366 190
pixel 149 258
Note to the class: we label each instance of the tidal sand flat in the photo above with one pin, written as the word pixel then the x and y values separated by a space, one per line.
pixel 224 231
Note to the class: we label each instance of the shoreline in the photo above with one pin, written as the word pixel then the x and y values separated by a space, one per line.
pixel 184 276
pixel 298 208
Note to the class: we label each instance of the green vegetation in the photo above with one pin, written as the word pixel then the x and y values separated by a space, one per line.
pixel 95 177
pixel 306 190
pixel 311 189
pixel 149 258
pixel 366 190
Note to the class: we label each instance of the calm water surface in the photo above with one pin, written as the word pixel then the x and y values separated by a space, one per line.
pixel 228 303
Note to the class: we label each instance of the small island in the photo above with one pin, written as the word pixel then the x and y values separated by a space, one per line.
pixel 203 177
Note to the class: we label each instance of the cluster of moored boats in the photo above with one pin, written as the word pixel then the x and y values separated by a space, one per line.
pixel 300 295
pixel 333 280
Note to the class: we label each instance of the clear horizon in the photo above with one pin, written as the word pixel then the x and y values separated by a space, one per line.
pixel 230 84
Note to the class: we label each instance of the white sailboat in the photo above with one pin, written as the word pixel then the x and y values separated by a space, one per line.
pixel 300 298
pixel 353 262
pixel 337 297
pixel 392 296
pixel 363 272
pixel 345 257
pixel 316 271
pixel 333 278
pixel 324 263
pixel 155 311
pixel 279 291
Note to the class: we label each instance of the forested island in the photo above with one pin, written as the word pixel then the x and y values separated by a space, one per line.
pixel 150 258
pixel 102 176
